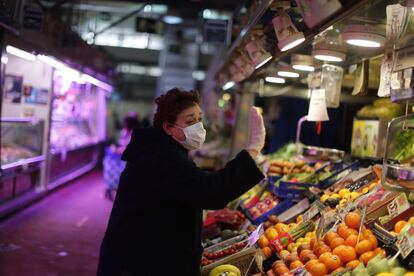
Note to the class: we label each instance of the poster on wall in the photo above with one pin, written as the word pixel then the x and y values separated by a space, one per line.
pixel 34 95
pixel 365 138
pixel 13 89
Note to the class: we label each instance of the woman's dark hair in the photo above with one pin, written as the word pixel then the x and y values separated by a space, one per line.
pixel 131 120
pixel 173 103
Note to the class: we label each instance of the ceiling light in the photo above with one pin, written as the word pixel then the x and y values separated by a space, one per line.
pixel 199 75
pixel 287 34
pixel 172 17
pixel 302 63
pixel 329 52
pixel 4 59
pixel 258 55
pixel 363 36
pixel 20 53
pixel 274 80
pixel 228 85
pixel 97 82
pixel 288 74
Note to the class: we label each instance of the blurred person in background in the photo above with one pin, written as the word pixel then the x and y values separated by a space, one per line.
pixel 156 221
pixel 113 164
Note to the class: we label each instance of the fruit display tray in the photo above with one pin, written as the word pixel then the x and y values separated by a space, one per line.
pixel 278 209
pixel 295 190
pixel 241 259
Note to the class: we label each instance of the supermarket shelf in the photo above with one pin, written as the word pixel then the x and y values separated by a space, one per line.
pixel 19 120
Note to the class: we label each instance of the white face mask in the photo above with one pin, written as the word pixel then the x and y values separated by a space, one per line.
pixel 195 135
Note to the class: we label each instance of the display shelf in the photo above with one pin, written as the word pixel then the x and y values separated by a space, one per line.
pixel 24 163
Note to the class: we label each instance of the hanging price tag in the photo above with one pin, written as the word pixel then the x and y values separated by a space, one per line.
pixel 314 209
pixel 405 242
pixel 255 235
pixel 398 205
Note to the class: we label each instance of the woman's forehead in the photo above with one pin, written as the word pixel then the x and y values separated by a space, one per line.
pixel 194 110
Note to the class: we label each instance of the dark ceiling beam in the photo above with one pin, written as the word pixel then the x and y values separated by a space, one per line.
pixel 119 21
pixel 224 5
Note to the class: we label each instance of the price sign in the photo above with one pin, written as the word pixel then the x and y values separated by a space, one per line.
pixel 398 205
pixel 405 242
pixel 255 235
pixel 281 242
pixel 314 209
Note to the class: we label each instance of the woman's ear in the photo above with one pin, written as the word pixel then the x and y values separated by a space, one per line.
pixel 167 128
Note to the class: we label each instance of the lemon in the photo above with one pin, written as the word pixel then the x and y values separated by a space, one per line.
pixel 335 196
pixel 324 198
pixel 385 274
pixel 343 192
pixel 300 240
pixel 355 195
pixel 309 235
pixel 365 190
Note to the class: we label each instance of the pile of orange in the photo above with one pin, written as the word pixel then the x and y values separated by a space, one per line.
pixel 341 249
pixel 271 234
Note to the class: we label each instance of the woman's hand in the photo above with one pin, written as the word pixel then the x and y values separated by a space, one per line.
pixel 257 134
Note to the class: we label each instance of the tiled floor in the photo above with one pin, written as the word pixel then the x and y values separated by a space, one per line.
pixel 60 235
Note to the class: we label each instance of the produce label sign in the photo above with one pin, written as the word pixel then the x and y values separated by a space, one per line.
pixel 255 235
pixel 405 242
pixel 281 242
pixel 398 205
pixel 314 209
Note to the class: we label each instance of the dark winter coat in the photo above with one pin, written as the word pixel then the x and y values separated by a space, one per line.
pixel 155 224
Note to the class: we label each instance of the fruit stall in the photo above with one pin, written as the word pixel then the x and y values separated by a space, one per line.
pixel 338 199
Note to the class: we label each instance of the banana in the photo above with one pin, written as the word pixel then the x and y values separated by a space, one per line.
pixel 225 270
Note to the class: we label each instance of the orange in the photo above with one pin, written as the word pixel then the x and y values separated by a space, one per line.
pixel 333 263
pixel 364 258
pixel 322 249
pixel 311 263
pixel 330 236
pixel 366 232
pixel 363 246
pixel 271 233
pixel 295 265
pixel 304 253
pixel 373 240
pixel 263 241
pixel 353 264
pixel 353 220
pixel 345 252
pixel 380 251
pixel 351 240
pixel 337 242
pixel 339 269
pixel 312 243
pixel 317 269
pixel 353 232
pixel 325 256
pixel 281 228
pixel 267 252
pixel 400 225
pixel 342 230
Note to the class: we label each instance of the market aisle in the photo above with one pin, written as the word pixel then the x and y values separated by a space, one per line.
pixel 60 235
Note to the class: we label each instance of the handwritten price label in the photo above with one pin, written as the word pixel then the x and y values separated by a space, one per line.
pixel 405 242
pixel 398 205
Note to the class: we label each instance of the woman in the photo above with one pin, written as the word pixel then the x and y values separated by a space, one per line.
pixel 156 220
pixel 112 163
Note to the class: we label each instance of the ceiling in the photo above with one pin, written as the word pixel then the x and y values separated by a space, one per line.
pixel 111 26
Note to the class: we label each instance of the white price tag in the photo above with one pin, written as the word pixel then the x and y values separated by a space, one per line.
pixel 255 235
pixel 405 242
pixel 398 205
